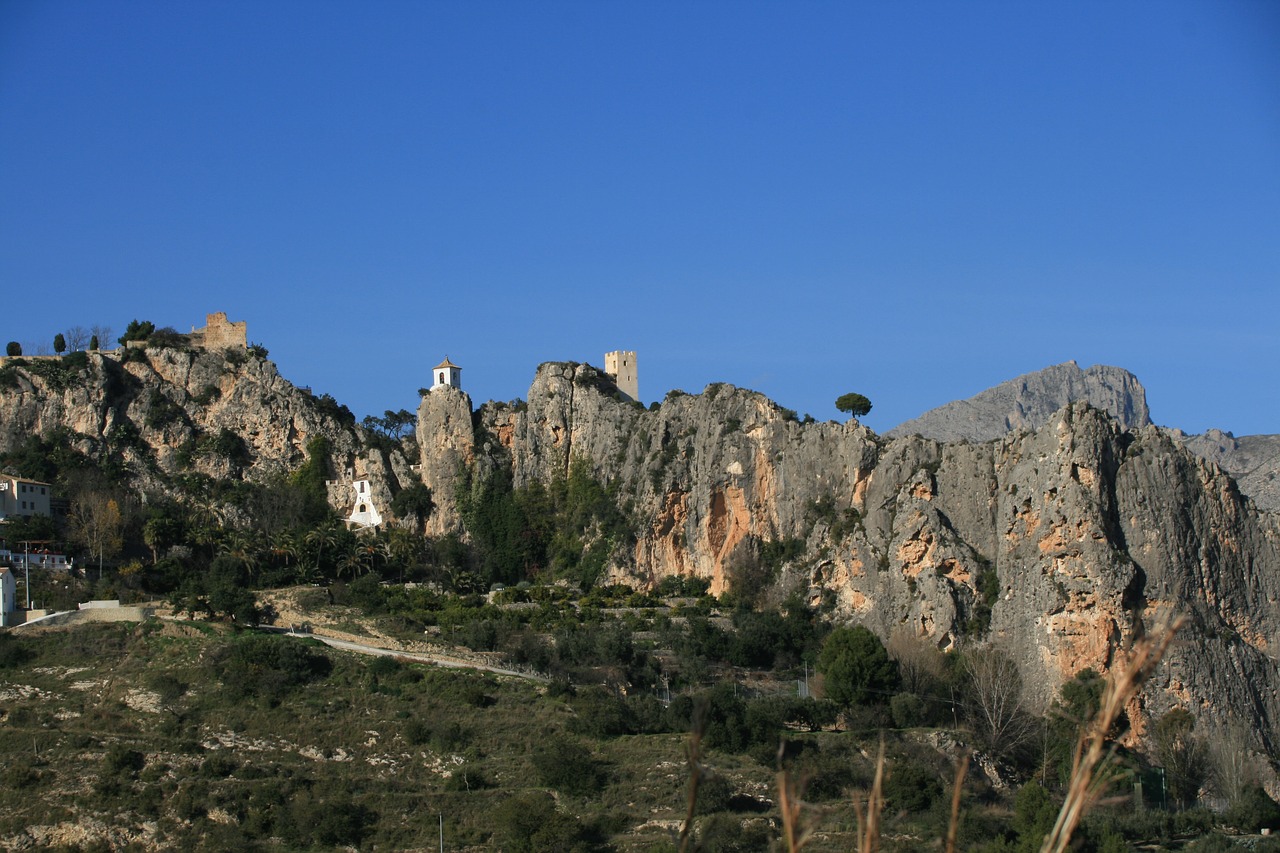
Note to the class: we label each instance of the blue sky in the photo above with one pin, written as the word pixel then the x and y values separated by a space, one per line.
pixel 914 201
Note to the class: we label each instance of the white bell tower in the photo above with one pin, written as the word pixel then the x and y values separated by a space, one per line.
pixel 446 373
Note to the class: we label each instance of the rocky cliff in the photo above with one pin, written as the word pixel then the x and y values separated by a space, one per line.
pixel 1061 544
pixel 1029 401
pixel 1253 460
pixel 170 418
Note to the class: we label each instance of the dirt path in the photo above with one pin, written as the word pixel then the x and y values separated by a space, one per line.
pixel 417 657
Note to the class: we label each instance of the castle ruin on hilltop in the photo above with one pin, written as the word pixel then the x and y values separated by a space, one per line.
pixel 219 333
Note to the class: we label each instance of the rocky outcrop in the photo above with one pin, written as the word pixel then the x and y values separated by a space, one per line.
pixel 1061 544
pixel 1253 460
pixel 1029 401
pixel 162 415
pixel 446 443
pixel 1061 541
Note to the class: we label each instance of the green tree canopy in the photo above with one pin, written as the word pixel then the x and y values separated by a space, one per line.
pixel 59 343
pixel 853 404
pixel 14 348
pixel 856 667
pixel 137 331
pixel 413 500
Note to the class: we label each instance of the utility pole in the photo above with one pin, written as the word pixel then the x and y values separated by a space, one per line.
pixel 26 568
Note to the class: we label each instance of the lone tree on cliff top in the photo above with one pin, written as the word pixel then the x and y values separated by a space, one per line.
pixel 853 404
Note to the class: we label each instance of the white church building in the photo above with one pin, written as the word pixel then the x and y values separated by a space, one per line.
pixel 363 512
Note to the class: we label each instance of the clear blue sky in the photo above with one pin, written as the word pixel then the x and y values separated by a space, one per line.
pixel 914 201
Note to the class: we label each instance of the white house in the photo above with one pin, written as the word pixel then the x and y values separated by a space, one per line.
pixel 8 598
pixel 41 558
pixel 363 512
pixel 446 373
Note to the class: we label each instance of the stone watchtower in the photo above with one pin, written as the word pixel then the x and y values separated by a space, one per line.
pixel 446 373
pixel 218 333
pixel 621 365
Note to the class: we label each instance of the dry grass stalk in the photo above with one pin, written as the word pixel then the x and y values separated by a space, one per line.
pixel 790 805
pixel 1088 777
pixel 869 822
pixel 953 828
pixel 696 772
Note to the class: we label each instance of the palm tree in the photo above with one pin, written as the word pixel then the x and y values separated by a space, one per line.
pixel 351 565
pixel 402 547
pixel 321 539
pixel 241 546
pixel 284 547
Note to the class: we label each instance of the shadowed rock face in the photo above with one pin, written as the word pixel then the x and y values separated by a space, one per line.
pixel 1029 401
pixel 1092 530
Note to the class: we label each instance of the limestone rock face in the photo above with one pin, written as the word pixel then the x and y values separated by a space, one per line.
pixel 1062 540
pixel 156 409
pixel 446 442
pixel 1253 460
pixel 1062 544
pixel 1028 401
pixel 701 474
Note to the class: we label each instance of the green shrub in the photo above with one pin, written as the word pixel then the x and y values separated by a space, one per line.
pixel 856 667
pixel 13 652
pixel 911 786
pixel 531 823
pixel 715 793
pixel 268 667
pixel 908 710
pixel 207 395
pixel 1253 811
pixel 120 760
pixel 567 766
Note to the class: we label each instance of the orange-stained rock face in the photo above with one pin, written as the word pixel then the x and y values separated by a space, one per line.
pixel 506 435
pixel 728 522
pixel 663 551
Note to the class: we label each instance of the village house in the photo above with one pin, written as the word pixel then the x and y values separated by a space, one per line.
pixel 8 599
pixel 22 497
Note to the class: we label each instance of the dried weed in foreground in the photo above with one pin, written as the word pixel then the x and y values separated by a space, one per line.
pixel 1088 777
pixel 789 804
pixel 869 820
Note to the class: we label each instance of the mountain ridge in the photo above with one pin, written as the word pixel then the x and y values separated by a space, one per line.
pixel 1061 543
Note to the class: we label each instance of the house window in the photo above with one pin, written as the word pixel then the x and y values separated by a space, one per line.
pixel 441 378
pixel 361 509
